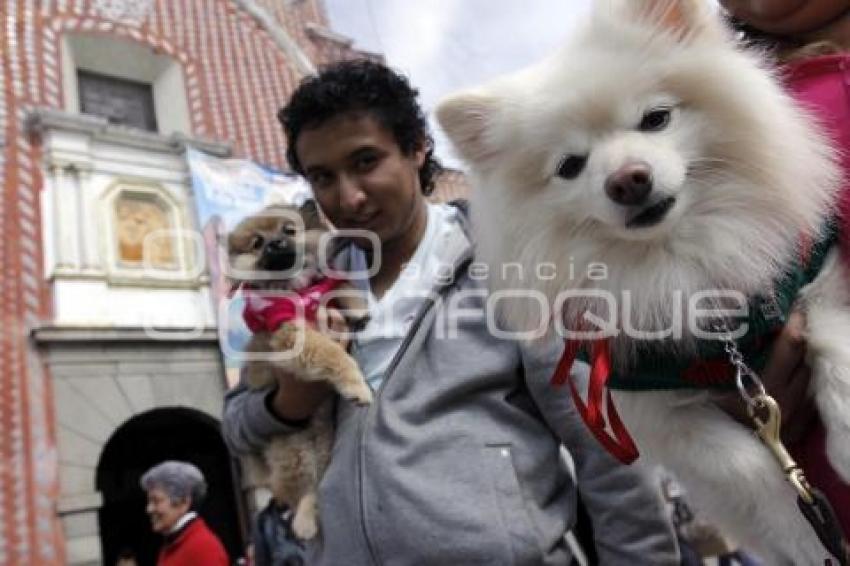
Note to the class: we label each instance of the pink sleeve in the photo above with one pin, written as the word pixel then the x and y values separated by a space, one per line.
pixel 822 84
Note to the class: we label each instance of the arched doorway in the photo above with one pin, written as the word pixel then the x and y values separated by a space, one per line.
pixel 140 443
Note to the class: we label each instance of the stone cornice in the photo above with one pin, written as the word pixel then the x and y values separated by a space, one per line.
pixel 322 32
pixel 42 120
pixel 301 62
pixel 56 334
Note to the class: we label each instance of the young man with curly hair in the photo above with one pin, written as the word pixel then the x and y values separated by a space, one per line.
pixel 459 459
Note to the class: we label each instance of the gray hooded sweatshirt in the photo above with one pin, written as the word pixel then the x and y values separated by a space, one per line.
pixel 458 461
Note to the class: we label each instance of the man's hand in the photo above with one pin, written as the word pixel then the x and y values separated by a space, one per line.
pixel 297 400
pixel 786 378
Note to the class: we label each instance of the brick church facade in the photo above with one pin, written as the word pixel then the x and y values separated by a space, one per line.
pixel 98 101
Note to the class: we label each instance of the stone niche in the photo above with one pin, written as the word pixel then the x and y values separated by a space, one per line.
pixel 120 240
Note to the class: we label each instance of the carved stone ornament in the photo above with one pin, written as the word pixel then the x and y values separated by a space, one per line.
pixel 131 12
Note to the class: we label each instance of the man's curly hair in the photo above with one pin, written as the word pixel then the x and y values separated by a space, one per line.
pixel 361 86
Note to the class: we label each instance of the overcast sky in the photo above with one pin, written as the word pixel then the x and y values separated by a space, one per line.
pixel 443 45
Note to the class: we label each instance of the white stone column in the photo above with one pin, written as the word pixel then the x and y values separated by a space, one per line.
pixel 88 223
pixel 65 219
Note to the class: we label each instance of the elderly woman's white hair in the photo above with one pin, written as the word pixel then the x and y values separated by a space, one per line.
pixel 179 480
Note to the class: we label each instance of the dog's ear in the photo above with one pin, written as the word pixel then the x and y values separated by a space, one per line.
pixel 683 19
pixel 467 118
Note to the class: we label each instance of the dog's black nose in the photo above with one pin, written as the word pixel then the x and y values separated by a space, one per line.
pixel 278 255
pixel 276 246
pixel 630 184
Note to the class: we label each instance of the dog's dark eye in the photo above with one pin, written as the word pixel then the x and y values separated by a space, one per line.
pixel 571 166
pixel 257 242
pixel 655 120
pixel 288 230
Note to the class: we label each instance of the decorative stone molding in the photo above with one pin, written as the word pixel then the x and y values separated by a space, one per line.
pixel 56 335
pixel 42 119
pixel 280 36
pixel 321 32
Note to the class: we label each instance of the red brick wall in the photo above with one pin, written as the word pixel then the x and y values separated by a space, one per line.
pixel 236 78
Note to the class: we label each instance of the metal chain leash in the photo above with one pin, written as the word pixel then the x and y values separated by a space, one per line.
pixel 766 416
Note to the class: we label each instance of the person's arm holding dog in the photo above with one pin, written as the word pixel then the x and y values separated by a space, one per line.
pixel 254 416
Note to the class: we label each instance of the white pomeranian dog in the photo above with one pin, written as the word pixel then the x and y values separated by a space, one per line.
pixel 656 149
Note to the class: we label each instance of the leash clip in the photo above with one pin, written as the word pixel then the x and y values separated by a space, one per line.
pixel 767 416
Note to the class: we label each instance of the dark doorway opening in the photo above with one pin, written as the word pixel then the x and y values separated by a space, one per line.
pixel 144 441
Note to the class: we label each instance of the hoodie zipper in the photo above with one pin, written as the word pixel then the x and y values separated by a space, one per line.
pixel 465 260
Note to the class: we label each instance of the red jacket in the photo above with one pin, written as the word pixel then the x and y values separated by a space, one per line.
pixel 822 84
pixel 196 545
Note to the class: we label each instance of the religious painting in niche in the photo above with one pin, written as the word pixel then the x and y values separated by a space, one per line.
pixel 137 216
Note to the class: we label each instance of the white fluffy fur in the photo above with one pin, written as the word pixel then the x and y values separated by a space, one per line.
pixel 750 174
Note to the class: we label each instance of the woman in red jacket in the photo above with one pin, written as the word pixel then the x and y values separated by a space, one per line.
pixel 175 489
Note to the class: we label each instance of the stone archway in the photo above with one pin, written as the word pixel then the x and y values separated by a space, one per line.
pixel 102 381
pixel 143 441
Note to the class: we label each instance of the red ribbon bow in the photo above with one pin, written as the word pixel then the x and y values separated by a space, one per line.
pixel 620 444
pixel 267 310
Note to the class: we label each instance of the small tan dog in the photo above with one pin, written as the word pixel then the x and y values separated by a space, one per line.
pixel 282 312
